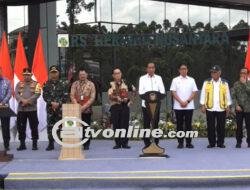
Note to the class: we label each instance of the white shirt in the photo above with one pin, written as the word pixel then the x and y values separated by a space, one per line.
pixel 148 83
pixel 216 97
pixel 184 87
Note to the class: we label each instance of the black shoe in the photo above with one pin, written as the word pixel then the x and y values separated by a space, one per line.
pixel 189 146
pixel 50 146
pixel 21 147
pixel 116 147
pixel 86 147
pixel 180 146
pixel 238 145
pixel 126 147
pixel 221 146
pixel 210 146
pixel 34 145
pixel 6 145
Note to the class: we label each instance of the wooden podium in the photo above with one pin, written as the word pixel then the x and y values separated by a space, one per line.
pixel 71 153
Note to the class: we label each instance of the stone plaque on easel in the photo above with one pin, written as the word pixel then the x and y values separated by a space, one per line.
pixel 71 153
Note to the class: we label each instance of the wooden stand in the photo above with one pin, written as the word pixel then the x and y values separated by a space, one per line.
pixel 4 157
pixel 74 153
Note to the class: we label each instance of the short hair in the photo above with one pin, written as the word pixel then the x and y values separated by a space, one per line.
pixel 116 68
pixel 150 63
pixel 82 69
pixel 182 64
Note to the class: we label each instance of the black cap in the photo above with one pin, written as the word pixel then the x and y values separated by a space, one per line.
pixel 26 71
pixel 54 68
pixel 215 68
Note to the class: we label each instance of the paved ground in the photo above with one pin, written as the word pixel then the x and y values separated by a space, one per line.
pixel 102 162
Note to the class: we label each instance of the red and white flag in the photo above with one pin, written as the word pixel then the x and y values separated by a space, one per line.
pixel 5 62
pixel 40 74
pixel 247 61
pixel 19 64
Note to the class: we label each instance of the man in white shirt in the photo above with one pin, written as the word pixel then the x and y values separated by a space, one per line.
pixel 150 82
pixel 215 101
pixel 184 89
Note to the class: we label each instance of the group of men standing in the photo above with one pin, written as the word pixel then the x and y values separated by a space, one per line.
pixel 55 93
pixel 215 100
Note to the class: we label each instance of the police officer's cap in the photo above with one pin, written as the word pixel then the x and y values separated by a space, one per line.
pixel 53 68
pixel 26 71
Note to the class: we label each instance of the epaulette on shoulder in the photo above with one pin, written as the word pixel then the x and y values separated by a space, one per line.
pixel 34 82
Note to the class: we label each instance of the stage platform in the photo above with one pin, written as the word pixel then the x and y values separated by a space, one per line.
pixel 105 168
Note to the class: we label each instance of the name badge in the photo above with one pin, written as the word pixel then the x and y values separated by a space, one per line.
pixel 81 98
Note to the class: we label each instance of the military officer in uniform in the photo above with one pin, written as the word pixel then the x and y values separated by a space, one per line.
pixel 55 93
pixel 83 92
pixel 241 100
pixel 27 93
pixel 215 101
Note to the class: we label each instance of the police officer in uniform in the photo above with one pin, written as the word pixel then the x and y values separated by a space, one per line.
pixel 55 93
pixel 27 92
pixel 215 101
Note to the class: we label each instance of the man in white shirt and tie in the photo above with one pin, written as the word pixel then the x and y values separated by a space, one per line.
pixel 184 89
pixel 150 82
pixel 215 101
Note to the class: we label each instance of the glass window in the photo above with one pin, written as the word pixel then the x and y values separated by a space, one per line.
pixel 126 11
pixel 176 11
pixel 104 10
pixel 152 11
pixel 198 14
pixel 83 17
pixel 236 16
pixel 219 15
pixel 17 17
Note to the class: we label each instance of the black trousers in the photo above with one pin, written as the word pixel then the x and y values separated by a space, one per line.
pixel 240 116
pixel 5 123
pixel 146 124
pixel 184 117
pixel 86 117
pixel 120 120
pixel 216 124
pixel 22 117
